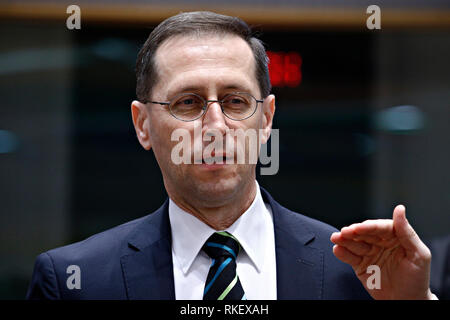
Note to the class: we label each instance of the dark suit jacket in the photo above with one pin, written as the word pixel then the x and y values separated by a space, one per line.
pixel 134 261
pixel 440 267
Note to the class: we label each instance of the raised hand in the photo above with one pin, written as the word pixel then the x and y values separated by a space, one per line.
pixel 392 245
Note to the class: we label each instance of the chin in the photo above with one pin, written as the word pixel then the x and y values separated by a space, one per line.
pixel 219 185
pixel 217 189
pixel 212 187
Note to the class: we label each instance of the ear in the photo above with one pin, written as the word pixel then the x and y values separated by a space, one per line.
pixel 268 108
pixel 141 123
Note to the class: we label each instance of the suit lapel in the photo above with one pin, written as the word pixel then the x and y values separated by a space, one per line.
pixel 148 270
pixel 299 264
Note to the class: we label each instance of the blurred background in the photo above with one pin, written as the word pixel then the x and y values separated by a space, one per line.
pixel 364 116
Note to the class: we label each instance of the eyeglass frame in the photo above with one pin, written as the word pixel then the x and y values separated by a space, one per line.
pixel 206 105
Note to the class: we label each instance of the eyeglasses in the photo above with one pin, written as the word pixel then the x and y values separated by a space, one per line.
pixel 190 106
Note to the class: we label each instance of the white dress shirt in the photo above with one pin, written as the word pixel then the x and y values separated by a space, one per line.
pixel 256 263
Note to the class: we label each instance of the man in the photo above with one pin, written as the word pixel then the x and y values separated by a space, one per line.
pixel 219 235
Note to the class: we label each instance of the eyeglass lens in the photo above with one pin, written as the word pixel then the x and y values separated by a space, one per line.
pixel 236 106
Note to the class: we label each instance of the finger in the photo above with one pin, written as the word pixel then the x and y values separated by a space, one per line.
pixel 383 228
pixel 405 233
pixel 348 233
pixel 346 256
pixel 357 247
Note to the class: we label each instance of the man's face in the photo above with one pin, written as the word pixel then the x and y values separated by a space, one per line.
pixel 211 67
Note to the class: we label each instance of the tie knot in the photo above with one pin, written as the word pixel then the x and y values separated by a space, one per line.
pixel 222 244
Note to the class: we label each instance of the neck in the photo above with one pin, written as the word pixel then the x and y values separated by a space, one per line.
pixel 219 217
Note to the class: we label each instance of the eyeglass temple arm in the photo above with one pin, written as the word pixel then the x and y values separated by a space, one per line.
pixel 157 102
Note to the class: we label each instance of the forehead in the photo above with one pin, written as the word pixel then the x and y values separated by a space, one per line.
pixel 205 60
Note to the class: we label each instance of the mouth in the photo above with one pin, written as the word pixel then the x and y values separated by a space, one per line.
pixel 220 159
pixel 217 160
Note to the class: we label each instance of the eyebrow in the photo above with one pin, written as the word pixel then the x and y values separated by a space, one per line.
pixel 195 89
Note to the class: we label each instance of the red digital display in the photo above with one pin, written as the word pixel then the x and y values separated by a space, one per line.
pixel 285 69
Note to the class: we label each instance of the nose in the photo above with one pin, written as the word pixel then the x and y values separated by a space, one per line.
pixel 214 119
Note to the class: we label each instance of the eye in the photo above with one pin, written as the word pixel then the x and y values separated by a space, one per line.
pixel 236 101
pixel 187 101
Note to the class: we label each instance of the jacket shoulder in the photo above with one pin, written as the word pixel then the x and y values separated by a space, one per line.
pixel 95 261
pixel 95 246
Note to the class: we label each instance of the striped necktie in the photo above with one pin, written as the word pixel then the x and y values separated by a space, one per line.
pixel 222 282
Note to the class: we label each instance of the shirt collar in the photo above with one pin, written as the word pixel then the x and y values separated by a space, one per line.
pixel 189 233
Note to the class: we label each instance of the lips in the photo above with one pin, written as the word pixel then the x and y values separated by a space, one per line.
pixel 217 159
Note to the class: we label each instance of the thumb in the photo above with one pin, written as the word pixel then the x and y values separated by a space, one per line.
pixel 406 235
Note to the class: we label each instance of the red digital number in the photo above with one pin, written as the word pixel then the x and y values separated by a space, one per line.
pixel 285 69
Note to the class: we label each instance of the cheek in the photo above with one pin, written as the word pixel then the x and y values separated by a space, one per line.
pixel 253 128
pixel 161 129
